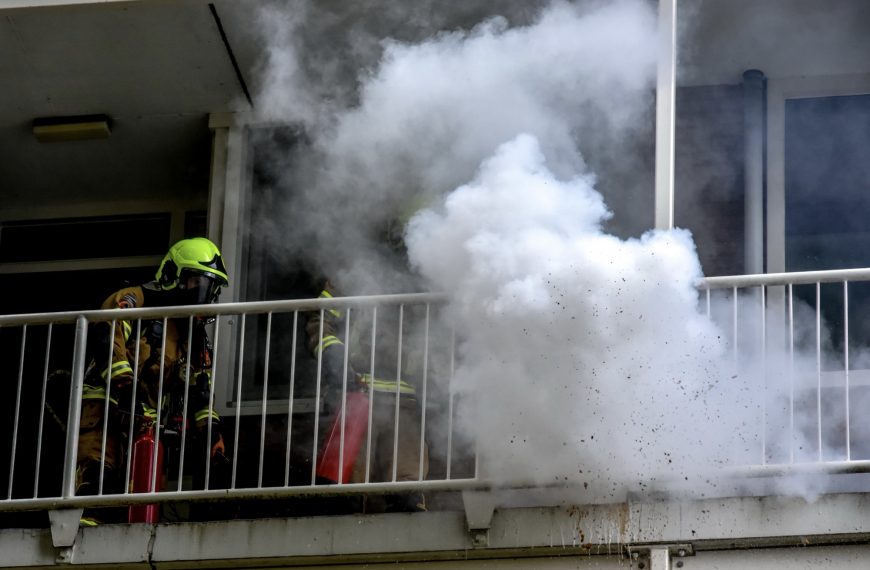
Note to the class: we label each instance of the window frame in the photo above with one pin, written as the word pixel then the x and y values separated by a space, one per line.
pixel 779 91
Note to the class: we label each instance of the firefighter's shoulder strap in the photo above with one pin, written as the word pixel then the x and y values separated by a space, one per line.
pixel 116 332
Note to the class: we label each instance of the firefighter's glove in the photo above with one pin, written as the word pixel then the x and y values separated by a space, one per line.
pixel 355 382
pixel 218 448
pixel 121 391
pixel 221 467
pixel 220 463
pixel 333 368
pixel 200 392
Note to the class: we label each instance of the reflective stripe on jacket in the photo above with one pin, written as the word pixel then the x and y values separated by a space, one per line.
pixel 381 385
pixel 332 327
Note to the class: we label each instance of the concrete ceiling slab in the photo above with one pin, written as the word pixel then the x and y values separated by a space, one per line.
pixel 156 68
pixel 120 58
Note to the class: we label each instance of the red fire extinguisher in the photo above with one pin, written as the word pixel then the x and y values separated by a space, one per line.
pixel 143 459
pixel 356 410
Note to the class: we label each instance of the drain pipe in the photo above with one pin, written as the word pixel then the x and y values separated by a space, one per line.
pixel 753 160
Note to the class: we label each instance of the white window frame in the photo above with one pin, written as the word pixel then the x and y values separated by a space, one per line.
pixel 779 91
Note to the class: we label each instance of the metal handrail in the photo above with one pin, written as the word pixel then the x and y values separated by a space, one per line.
pixel 65 495
pixel 249 307
pixel 67 498
pixel 793 278
pixel 774 293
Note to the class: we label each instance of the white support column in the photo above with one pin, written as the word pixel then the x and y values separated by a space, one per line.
pixel 217 182
pixel 775 177
pixel 227 195
pixel 70 457
pixel 227 214
pixel 665 103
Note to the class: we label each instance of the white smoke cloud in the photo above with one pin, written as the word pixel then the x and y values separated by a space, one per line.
pixel 580 74
pixel 586 356
pixel 435 109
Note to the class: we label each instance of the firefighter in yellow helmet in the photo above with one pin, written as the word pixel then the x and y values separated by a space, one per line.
pixel 191 273
pixel 401 455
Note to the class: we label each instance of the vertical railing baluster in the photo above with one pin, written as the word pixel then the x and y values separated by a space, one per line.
pixel 70 456
pixel 183 434
pixel 319 378
pixel 290 399
pixel 160 385
pixel 425 395
pixel 450 399
pixel 792 433
pixel 238 408
pixel 106 404
pixel 211 385
pixel 734 323
pixel 398 394
pixel 819 366
pixel 17 409
pixel 265 399
pixel 343 407
pixel 846 367
pixel 132 422
pixel 42 410
pixel 764 372
pixel 371 392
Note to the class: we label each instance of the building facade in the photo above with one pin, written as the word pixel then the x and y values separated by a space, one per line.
pixel 701 162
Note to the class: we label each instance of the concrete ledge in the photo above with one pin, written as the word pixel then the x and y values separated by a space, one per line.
pixel 605 531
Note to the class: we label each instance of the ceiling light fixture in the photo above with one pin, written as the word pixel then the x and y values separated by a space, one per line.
pixel 71 128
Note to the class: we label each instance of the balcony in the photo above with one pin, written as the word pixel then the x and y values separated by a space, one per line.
pixel 802 444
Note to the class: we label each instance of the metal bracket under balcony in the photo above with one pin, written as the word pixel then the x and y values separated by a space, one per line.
pixel 658 556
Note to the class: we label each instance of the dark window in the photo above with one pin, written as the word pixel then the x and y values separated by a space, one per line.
pixel 827 198
pixel 195 223
pixel 43 292
pixel 84 238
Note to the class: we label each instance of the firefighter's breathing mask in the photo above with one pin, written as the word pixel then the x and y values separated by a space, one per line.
pixel 197 288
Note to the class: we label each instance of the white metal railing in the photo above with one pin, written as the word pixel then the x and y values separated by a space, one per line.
pixel 37 469
pixel 41 445
pixel 807 381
